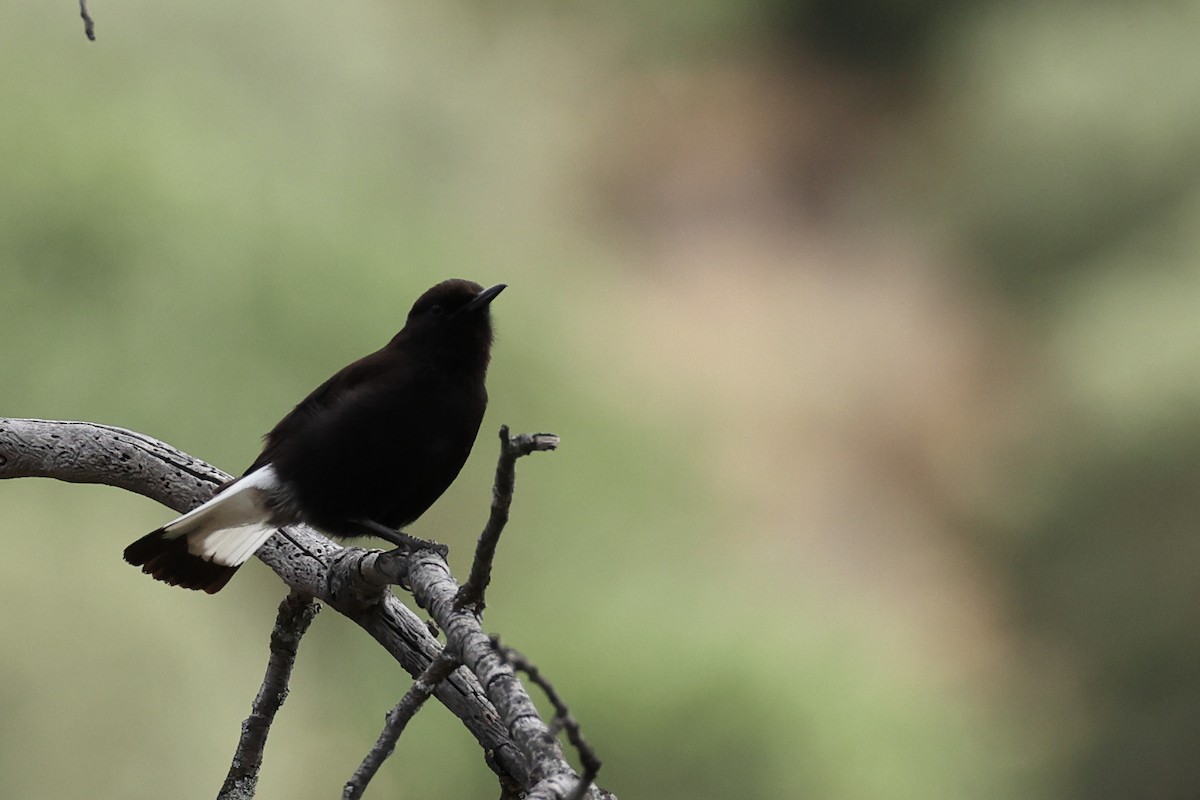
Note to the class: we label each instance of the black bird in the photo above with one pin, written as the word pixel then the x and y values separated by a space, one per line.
pixel 365 454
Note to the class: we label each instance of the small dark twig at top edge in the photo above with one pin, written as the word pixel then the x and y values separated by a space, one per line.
pixel 89 25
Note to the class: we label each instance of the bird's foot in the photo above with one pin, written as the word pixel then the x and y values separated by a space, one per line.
pixel 401 539
pixel 412 544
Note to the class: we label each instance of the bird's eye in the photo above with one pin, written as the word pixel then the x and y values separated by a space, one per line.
pixel 436 310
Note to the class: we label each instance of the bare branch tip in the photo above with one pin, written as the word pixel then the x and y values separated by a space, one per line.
pixel 545 441
pixel 526 443
pixel 522 444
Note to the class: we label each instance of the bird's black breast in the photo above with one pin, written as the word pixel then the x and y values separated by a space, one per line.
pixel 383 449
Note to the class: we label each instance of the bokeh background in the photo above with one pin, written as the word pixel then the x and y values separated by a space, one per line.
pixel 870 329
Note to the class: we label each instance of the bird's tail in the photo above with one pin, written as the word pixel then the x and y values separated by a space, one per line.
pixel 204 547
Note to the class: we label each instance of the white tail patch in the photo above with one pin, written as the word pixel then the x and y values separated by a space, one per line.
pixel 231 526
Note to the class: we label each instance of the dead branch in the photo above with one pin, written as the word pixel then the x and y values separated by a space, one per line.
pixel 517 743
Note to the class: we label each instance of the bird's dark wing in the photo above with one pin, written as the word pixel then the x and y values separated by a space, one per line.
pixel 325 397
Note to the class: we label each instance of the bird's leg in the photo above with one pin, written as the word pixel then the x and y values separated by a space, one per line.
pixel 399 538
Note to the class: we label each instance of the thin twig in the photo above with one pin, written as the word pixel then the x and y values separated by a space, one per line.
pixel 89 25
pixel 563 720
pixel 511 448
pixel 396 720
pixel 295 613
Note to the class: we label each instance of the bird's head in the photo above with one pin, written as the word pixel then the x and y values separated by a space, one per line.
pixel 455 313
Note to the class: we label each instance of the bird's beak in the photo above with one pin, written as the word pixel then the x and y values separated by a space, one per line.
pixel 482 299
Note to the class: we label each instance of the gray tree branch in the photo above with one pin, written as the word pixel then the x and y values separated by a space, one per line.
pixel 516 742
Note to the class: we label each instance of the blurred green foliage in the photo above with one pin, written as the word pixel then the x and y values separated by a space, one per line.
pixel 796 544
